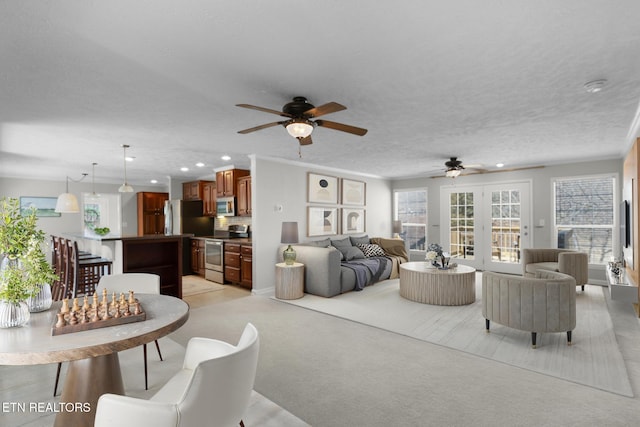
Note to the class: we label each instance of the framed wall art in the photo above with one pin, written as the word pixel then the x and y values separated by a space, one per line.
pixel 353 221
pixel 45 206
pixel 353 192
pixel 322 188
pixel 322 221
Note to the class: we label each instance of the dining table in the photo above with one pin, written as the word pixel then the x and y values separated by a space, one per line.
pixel 94 367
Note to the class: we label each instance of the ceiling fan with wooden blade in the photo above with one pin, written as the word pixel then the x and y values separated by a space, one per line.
pixel 300 112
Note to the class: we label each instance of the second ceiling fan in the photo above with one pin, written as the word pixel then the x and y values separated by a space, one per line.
pixel 299 113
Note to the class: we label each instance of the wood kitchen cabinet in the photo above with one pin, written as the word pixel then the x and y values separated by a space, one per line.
pixel 238 264
pixel 226 181
pixel 244 196
pixel 246 266
pixel 201 190
pixel 209 190
pixel 151 213
pixel 197 257
pixel 191 190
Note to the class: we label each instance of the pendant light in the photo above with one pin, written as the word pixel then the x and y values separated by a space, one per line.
pixel 125 187
pixel 67 202
pixel 93 179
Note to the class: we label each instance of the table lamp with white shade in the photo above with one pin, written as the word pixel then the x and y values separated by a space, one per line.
pixel 289 235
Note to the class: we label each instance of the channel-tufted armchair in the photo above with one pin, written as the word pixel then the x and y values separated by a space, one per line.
pixel 573 263
pixel 544 303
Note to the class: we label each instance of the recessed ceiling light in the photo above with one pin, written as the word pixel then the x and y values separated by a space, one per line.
pixel 595 86
pixel 183 169
pixel 226 158
pixel 154 181
pixel 499 165
pixel 129 159
pixel 200 164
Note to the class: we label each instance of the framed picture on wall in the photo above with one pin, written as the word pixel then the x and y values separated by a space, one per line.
pixel 322 188
pixel 322 221
pixel 353 221
pixel 45 206
pixel 354 192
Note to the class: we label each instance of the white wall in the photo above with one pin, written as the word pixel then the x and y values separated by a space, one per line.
pixel 541 179
pixel 284 183
pixel 72 223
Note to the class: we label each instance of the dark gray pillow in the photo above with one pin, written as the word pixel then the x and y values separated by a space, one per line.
pixel 324 243
pixel 353 253
pixel 361 240
pixel 341 243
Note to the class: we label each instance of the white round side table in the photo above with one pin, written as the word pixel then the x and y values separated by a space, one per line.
pixel 289 280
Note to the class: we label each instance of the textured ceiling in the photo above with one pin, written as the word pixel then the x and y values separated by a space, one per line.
pixel 490 81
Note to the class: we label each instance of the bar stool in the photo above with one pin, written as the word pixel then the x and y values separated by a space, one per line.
pixel 82 275
pixel 57 287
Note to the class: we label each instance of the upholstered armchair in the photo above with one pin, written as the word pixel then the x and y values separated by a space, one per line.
pixel 573 263
pixel 544 303
pixel 213 389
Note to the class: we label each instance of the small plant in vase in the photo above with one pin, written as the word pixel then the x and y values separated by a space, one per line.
pixel 437 256
pixel 23 267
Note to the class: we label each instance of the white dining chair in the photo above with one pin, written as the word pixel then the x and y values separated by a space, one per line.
pixel 213 389
pixel 139 283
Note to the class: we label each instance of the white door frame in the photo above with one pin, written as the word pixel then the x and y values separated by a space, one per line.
pixel 482 259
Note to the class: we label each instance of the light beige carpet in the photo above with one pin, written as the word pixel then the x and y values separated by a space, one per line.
pixel 594 359
pixel 26 384
pixel 194 285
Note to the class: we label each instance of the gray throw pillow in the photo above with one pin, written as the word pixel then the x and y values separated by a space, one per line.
pixel 353 253
pixel 324 243
pixel 341 243
pixel 360 240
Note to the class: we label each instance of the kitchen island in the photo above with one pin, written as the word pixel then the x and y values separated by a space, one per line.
pixel 157 254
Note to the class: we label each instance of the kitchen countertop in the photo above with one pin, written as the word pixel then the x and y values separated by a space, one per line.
pixel 129 237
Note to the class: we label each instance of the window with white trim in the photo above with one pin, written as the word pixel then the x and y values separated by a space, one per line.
pixel 410 208
pixel 584 215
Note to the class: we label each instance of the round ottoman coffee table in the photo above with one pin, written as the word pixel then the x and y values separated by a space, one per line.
pixel 421 282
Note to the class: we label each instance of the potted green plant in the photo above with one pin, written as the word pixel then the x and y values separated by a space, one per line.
pixel 23 266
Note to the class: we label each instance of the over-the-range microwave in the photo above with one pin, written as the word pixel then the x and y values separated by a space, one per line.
pixel 226 206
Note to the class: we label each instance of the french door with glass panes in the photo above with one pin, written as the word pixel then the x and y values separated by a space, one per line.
pixel 486 226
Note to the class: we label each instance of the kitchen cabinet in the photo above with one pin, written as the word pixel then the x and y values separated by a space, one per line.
pixel 226 181
pixel 151 213
pixel 194 190
pixel 197 257
pixel 238 264
pixel 209 190
pixel 246 266
pixel 201 190
pixel 191 190
pixel 244 196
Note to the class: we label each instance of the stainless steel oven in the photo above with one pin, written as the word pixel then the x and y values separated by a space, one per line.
pixel 214 260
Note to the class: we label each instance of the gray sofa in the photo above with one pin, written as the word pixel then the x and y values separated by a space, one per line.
pixel 543 303
pixel 324 273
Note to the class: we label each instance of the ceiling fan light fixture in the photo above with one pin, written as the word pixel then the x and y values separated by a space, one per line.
pixel 299 128
pixel 452 173
pixel 595 86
